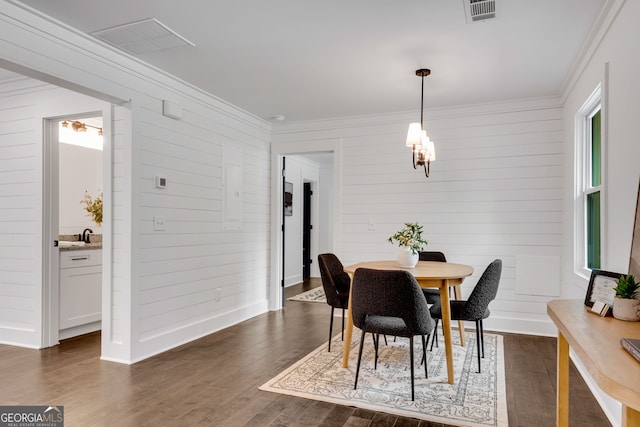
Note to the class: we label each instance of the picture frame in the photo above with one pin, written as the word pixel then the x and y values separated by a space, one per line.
pixel 601 289
pixel 288 199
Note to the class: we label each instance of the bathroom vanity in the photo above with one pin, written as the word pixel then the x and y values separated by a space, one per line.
pixel 80 284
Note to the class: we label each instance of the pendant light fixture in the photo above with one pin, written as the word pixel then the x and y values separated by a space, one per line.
pixel 423 150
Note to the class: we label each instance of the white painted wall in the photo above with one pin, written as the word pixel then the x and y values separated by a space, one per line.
pixel 615 45
pixel 80 171
pixel 162 288
pixel 325 210
pixel 495 191
pixel 24 103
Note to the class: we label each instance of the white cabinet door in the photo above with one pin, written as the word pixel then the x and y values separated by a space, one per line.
pixel 80 289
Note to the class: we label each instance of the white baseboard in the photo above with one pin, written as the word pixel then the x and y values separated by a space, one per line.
pixel 157 344
pixel 542 327
pixel 79 330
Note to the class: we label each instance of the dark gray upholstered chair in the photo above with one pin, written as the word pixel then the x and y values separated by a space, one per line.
pixel 390 302
pixel 476 307
pixel 431 294
pixel 336 285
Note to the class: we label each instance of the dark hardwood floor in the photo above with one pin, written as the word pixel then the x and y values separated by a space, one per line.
pixel 214 381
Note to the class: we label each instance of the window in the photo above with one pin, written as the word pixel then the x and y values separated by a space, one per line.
pixel 589 180
pixel 593 190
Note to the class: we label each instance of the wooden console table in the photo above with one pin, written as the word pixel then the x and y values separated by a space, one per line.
pixel 596 342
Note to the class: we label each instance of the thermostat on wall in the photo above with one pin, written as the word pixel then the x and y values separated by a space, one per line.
pixel 160 181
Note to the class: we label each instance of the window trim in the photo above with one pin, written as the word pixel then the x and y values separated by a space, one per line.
pixel 582 178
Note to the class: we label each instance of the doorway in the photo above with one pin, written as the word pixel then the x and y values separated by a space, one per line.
pixel 75 182
pixel 325 189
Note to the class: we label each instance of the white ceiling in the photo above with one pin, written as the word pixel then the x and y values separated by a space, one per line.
pixel 333 58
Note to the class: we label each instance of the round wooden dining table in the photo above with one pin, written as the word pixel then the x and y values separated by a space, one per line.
pixel 428 274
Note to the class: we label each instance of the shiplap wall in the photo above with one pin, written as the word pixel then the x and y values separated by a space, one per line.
pixel 610 61
pixel 161 288
pixel 495 191
pixel 117 280
pixel 19 220
pixel 194 270
pixel 23 105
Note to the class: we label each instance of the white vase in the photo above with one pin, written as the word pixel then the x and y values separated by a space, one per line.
pixel 626 309
pixel 406 258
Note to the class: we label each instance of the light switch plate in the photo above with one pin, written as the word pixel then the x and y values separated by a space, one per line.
pixel 158 223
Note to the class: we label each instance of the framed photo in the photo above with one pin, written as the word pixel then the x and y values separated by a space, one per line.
pixel 601 288
pixel 288 199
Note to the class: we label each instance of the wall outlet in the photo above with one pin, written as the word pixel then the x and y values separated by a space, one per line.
pixel 158 223
pixel 372 224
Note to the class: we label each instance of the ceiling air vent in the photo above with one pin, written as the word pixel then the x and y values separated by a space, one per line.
pixel 479 10
pixel 140 37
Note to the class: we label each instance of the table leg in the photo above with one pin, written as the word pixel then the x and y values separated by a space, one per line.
pixel 630 417
pixel 457 292
pixel 562 409
pixel 446 329
pixel 348 332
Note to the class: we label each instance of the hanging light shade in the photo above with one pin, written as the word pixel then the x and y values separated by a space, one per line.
pixel 422 148
pixel 414 135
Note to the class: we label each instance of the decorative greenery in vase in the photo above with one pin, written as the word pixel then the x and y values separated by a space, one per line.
pixel 93 207
pixel 410 236
pixel 625 305
pixel 627 288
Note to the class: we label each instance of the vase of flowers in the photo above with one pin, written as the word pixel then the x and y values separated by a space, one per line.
pixel 410 242
pixel 93 207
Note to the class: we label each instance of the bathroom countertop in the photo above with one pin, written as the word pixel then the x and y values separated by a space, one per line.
pixel 96 242
pixel 81 248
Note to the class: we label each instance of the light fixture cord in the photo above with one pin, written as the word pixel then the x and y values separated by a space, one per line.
pixel 428 162
pixel 422 104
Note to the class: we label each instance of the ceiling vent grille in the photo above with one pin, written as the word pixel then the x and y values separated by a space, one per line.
pixel 479 10
pixel 136 38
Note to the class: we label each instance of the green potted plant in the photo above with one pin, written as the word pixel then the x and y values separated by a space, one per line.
pixel 410 241
pixel 626 306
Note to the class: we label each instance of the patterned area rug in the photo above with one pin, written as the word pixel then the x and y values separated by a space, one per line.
pixel 314 295
pixel 474 400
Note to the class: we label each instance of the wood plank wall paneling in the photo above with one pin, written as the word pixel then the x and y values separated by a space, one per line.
pixel 195 271
pixel 184 276
pixel 495 190
pixel 117 325
pixel 23 104
pixel 18 223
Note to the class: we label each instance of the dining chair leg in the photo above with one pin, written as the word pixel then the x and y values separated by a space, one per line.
pixel 478 343
pixel 411 362
pixel 355 385
pixel 375 346
pixel 435 334
pixel 342 334
pixel 424 355
pixel 482 336
pixel 331 329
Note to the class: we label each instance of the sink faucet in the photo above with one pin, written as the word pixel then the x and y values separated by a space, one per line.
pixel 85 235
